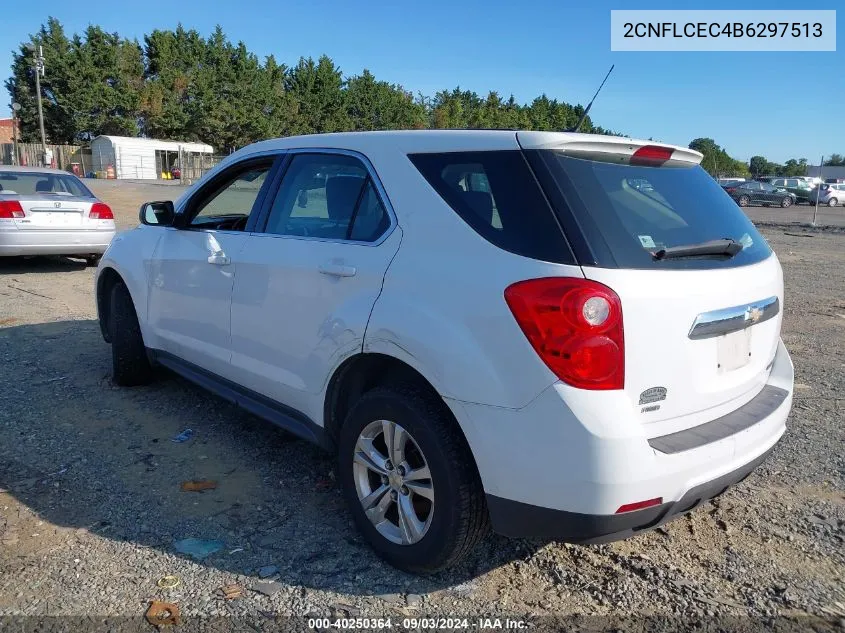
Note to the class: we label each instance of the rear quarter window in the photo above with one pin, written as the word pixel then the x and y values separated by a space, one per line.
pixel 496 194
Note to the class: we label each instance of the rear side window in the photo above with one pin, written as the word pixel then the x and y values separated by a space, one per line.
pixel 496 194
pixel 628 212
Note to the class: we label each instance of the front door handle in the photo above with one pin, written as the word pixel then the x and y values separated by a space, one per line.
pixel 338 270
pixel 219 259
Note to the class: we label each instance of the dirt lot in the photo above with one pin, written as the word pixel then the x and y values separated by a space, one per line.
pixel 91 505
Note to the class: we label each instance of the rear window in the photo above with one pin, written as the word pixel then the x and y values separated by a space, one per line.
pixel 30 183
pixel 627 212
pixel 496 194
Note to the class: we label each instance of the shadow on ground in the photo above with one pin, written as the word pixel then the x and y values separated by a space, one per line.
pixel 40 264
pixel 83 453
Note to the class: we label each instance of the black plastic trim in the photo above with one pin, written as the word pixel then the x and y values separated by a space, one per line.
pixel 281 415
pixel 749 414
pixel 522 520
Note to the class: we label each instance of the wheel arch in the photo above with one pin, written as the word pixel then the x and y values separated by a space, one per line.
pixel 107 279
pixel 365 371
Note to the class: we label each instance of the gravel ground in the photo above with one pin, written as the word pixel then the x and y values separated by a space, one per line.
pixel 91 505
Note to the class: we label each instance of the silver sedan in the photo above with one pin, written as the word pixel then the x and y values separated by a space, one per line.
pixel 51 212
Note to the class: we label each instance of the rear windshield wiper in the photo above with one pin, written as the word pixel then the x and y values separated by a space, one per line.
pixel 726 246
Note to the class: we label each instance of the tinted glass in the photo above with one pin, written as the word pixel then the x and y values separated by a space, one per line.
pixel 234 199
pixel 32 183
pixel 767 187
pixel 636 210
pixel 371 219
pixel 496 194
pixel 327 196
pixel 792 182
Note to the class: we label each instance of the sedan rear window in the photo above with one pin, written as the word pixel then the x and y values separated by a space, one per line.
pixel 496 193
pixel 628 212
pixel 34 183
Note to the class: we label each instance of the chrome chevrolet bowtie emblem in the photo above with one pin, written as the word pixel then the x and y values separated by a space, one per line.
pixel 753 314
pixel 58 205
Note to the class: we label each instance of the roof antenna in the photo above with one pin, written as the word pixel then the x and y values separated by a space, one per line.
pixel 590 105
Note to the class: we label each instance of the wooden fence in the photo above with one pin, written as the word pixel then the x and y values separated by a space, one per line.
pixel 64 156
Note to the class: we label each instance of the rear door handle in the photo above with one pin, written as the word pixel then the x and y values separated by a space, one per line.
pixel 338 270
pixel 219 259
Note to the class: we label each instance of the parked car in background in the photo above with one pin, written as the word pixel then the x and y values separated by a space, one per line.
pixel 830 194
pixel 51 212
pixel 605 356
pixel 755 192
pixel 795 185
pixel 730 181
pixel 834 180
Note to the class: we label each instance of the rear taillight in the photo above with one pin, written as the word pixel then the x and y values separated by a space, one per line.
pixel 575 326
pixel 730 189
pixel 11 209
pixel 100 211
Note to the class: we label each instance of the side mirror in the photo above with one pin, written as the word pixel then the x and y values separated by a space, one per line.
pixel 159 213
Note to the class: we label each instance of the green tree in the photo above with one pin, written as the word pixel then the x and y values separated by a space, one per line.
pixel 182 86
pixel 758 165
pixel 717 162
pixel 317 89
pixel 378 105
pixel 835 160
pixel 794 167
pixel 57 94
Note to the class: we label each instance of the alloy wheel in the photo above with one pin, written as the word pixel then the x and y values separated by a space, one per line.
pixel 393 482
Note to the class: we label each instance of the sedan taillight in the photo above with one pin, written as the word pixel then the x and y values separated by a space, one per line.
pixel 100 211
pixel 10 209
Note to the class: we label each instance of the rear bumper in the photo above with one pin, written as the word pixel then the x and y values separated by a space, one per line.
pixel 521 520
pixel 555 470
pixel 38 242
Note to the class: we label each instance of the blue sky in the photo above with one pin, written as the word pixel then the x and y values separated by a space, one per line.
pixel 780 105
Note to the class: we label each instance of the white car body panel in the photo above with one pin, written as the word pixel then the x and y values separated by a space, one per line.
pixel 190 297
pixel 293 324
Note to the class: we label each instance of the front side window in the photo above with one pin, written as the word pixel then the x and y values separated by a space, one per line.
pixel 233 199
pixel 327 196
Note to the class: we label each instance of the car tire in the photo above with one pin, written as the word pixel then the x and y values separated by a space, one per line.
pixel 743 201
pixel 832 202
pixel 130 365
pixel 786 202
pixel 447 526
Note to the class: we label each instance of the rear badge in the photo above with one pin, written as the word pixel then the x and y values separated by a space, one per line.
pixel 653 394
pixel 653 407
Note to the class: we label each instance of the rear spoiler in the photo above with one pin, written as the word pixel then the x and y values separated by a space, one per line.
pixel 611 149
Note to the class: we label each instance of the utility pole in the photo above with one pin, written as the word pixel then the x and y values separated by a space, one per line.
pixel 38 65
pixel 15 107
pixel 818 189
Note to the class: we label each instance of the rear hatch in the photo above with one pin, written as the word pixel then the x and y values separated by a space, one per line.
pixel 701 291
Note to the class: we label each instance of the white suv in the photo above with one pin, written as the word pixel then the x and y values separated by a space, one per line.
pixel 487 327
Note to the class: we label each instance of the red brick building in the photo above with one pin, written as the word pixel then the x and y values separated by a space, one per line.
pixel 5 131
